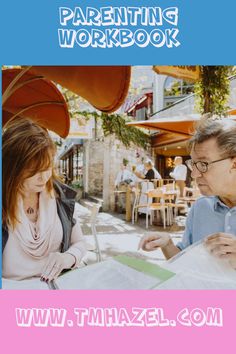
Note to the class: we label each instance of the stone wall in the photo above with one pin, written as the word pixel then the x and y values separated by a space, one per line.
pixel 94 151
pixel 102 160
pixel 114 154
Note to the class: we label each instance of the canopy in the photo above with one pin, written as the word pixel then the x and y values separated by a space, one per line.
pixel 171 130
pixel 34 97
pixel 188 73
pixel 184 126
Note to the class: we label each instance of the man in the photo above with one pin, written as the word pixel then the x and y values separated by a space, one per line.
pixel 179 174
pixel 123 179
pixel 213 216
pixel 124 176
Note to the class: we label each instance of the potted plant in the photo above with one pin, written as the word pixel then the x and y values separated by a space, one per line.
pixel 125 162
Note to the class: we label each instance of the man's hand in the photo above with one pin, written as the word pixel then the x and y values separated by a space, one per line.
pixel 153 241
pixel 56 262
pixel 223 245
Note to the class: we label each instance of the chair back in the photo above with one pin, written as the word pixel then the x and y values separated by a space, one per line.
pixel 94 214
pixel 93 220
pixel 156 193
pixel 146 185
pixel 170 187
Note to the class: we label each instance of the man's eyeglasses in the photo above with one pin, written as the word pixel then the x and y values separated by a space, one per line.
pixel 202 166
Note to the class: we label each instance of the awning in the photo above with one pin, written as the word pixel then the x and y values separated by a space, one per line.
pixel 68 150
pixel 132 102
pixel 183 125
pixel 29 95
pixel 171 130
pixel 232 112
pixel 187 73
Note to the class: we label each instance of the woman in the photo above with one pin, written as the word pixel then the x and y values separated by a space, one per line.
pixel 40 236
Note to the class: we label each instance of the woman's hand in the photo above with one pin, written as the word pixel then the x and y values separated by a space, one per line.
pixel 56 262
pixel 153 241
pixel 223 245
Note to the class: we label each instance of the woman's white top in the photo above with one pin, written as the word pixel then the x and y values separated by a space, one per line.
pixel 30 244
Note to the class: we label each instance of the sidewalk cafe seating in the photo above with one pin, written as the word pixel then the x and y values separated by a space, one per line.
pixel 127 191
pixel 163 182
pixel 137 205
pixel 166 202
pixel 190 195
pixel 160 205
pixel 141 199
pixel 174 203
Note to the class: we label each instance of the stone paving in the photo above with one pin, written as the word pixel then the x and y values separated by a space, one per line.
pixel 116 236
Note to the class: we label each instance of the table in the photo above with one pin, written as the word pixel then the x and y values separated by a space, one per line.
pixel 128 205
pixel 193 268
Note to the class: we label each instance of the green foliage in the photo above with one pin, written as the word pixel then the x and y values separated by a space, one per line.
pixel 58 143
pixel 125 162
pixel 116 124
pixel 111 123
pixel 213 89
pixel 77 184
pixel 178 87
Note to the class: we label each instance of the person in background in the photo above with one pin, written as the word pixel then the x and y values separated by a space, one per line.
pixel 124 179
pixel 139 168
pixel 124 176
pixel 156 173
pixel 41 235
pixel 150 174
pixel 213 216
pixel 179 174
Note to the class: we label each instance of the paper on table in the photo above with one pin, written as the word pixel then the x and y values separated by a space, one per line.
pixel 196 268
pixel 112 274
pixel 191 281
pixel 120 273
pixel 29 284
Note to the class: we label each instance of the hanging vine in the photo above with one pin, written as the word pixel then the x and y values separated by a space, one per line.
pixel 213 89
pixel 116 124
pixel 110 123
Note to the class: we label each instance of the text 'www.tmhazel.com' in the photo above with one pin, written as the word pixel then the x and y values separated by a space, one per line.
pixel 117 317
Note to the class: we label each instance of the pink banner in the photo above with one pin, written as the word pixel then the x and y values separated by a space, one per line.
pixel 117 321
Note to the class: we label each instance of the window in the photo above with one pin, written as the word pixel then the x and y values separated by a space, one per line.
pixel 175 89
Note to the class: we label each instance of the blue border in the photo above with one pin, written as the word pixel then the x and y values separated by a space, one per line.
pixel 1 185
pixel 207 35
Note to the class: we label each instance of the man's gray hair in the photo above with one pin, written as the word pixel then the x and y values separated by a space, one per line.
pixel 223 130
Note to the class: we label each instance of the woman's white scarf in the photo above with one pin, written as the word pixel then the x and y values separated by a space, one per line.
pixel 46 221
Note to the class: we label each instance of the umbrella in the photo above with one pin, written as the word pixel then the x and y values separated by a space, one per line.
pixel 105 87
pixel 28 95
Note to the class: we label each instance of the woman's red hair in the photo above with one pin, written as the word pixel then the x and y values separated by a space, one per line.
pixel 27 149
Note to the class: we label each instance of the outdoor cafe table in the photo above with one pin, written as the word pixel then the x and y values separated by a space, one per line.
pixel 128 207
pixel 193 268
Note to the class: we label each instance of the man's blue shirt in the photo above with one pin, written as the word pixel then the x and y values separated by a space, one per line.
pixel 207 216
